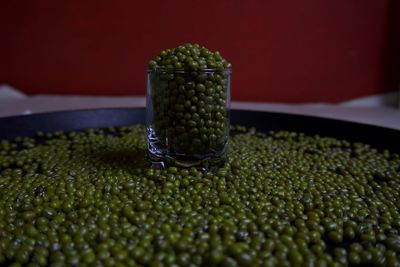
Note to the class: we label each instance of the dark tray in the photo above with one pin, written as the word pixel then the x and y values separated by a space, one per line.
pixel 378 137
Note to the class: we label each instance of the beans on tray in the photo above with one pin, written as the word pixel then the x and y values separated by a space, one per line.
pixel 282 199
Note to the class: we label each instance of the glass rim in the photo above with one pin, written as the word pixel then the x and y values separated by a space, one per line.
pixel 174 70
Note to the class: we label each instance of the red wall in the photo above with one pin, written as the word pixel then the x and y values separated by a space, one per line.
pixel 281 50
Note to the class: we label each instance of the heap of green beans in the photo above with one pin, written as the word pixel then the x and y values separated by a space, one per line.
pixel 188 88
pixel 282 199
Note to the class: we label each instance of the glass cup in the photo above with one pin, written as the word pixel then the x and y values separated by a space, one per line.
pixel 188 117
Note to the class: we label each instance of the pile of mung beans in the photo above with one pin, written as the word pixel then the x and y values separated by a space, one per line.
pixel 89 198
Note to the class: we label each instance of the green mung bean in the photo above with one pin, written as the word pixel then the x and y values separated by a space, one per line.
pixel 281 199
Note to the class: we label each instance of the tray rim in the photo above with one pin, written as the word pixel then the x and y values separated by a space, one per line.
pixel 105 117
pixel 235 109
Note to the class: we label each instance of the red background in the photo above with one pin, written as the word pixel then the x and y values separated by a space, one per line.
pixel 281 50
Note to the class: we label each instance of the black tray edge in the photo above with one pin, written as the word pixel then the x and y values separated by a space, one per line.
pixel 27 125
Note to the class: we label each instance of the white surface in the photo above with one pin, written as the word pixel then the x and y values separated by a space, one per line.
pixel 8 94
pixel 391 99
pixel 12 103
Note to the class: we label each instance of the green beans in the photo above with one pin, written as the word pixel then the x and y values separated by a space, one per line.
pixel 281 199
pixel 188 102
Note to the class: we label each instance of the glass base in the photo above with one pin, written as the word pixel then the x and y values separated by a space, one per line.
pixel 205 164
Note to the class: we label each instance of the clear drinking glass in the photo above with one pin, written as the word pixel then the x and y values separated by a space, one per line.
pixel 188 117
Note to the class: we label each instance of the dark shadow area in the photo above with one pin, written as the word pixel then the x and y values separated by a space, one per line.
pixel 125 159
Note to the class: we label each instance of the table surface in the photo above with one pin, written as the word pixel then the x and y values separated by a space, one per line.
pixel 17 103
